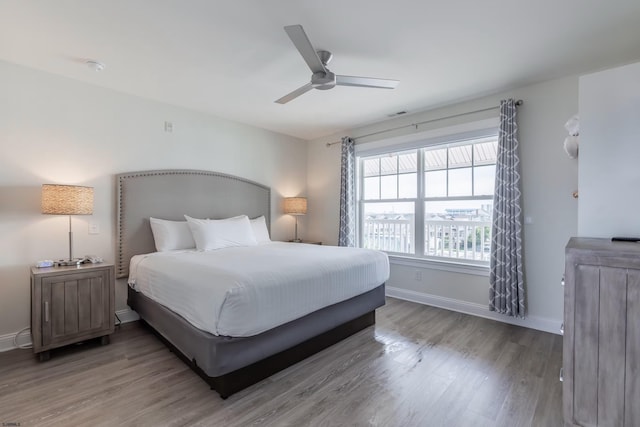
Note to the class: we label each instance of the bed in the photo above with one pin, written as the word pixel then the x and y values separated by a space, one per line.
pixel 227 357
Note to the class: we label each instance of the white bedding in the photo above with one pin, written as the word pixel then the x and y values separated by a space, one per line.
pixel 243 291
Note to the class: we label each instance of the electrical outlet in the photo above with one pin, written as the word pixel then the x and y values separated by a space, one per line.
pixel 418 276
pixel 168 127
pixel 94 228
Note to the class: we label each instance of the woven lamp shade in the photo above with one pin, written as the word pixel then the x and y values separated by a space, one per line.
pixel 67 199
pixel 295 205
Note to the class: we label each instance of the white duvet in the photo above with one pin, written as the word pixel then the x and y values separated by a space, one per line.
pixel 243 291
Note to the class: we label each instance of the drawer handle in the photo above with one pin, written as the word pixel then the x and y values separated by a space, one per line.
pixel 562 329
pixel 561 374
pixel 46 311
pixel 562 281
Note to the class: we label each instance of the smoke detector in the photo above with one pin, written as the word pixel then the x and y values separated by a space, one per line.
pixel 95 65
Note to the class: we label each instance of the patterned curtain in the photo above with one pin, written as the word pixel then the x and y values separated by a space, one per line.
pixel 506 292
pixel 347 234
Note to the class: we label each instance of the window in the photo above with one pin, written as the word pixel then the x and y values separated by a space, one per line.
pixel 389 194
pixel 434 201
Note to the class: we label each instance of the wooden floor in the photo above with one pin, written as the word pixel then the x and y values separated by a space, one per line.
pixel 419 366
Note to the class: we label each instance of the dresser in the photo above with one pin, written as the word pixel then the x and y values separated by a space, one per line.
pixel 601 346
pixel 71 304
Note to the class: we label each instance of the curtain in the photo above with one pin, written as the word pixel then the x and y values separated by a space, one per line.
pixel 347 233
pixel 506 291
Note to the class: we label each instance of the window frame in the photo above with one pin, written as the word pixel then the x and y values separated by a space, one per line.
pixel 419 258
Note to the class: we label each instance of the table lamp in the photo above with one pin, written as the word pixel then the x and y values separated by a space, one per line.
pixel 295 206
pixel 67 200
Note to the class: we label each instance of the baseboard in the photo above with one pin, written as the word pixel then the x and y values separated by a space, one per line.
pixel 474 309
pixel 6 341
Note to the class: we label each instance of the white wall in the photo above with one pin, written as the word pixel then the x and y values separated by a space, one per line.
pixel 610 153
pixel 57 130
pixel 549 178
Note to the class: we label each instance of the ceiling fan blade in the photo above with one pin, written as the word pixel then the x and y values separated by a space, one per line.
pixel 301 41
pixel 366 82
pixel 296 93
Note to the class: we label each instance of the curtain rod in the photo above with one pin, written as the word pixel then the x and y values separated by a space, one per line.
pixel 518 102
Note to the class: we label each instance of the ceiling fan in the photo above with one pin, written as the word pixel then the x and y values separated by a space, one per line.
pixel 322 78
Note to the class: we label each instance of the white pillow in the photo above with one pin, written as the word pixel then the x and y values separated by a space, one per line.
pixel 210 234
pixel 171 235
pixel 260 232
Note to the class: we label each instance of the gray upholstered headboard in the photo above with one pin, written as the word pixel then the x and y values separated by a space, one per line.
pixel 170 194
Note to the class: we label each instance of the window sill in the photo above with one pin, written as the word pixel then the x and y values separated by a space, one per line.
pixel 454 267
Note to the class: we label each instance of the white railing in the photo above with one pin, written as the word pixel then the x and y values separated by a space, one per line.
pixel 392 235
pixel 469 240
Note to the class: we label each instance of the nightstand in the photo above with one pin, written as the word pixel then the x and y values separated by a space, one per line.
pixel 71 304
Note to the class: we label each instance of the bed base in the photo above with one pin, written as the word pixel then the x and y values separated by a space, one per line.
pixel 238 380
pixel 230 364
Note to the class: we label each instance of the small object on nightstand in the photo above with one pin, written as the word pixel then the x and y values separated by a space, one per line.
pixel 44 263
pixel 626 239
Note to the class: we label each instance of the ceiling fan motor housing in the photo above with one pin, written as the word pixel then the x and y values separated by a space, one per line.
pixel 325 56
pixel 323 81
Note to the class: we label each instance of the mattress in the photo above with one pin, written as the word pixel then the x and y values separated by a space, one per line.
pixel 244 291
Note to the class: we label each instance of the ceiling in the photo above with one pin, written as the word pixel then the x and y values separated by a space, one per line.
pixel 233 59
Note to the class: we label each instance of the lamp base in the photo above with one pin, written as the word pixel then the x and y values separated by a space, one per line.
pixel 66 262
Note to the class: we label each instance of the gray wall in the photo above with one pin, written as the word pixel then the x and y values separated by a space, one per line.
pixel 610 153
